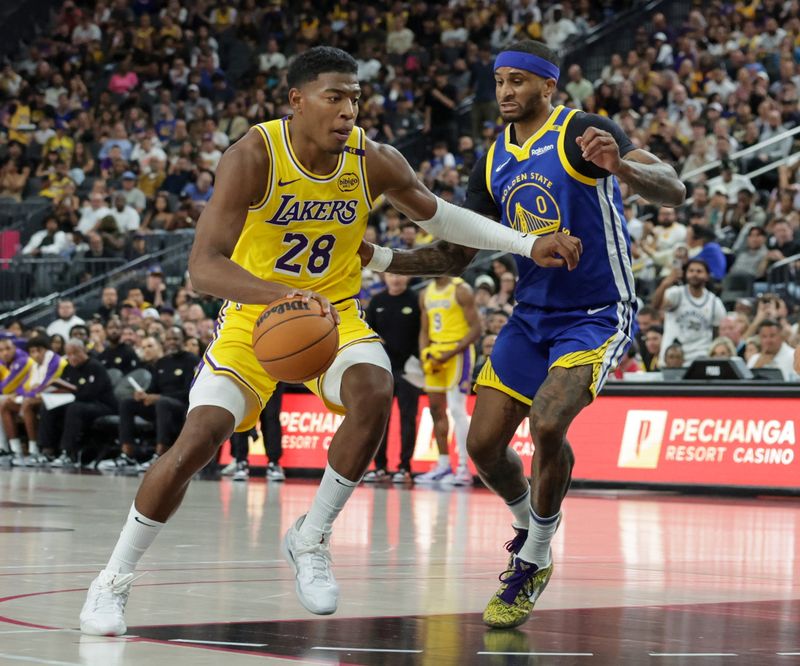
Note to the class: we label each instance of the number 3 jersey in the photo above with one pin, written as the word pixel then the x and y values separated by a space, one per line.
pixel 306 230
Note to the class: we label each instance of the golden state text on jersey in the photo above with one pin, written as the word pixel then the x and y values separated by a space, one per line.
pixel 537 191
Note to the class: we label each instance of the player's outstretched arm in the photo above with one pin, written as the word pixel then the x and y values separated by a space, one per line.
pixel 644 173
pixel 432 260
pixel 240 180
pixel 391 175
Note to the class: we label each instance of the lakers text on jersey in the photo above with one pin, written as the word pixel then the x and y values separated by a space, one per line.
pixel 304 233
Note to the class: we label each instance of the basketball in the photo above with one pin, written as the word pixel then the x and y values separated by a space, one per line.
pixel 293 342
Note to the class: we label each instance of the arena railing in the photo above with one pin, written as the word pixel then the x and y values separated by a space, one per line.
pixel 715 164
pixel 172 260
pixel 25 278
pixel 783 279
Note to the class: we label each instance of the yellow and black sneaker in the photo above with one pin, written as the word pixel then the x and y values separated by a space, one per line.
pixel 513 602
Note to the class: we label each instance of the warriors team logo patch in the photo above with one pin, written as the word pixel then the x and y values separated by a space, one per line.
pixel 531 209
pixel 348 182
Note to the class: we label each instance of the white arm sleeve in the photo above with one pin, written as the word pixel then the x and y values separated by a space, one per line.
pixel 465 227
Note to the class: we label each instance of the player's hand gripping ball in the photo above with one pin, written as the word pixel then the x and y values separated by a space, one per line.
pixel 294 341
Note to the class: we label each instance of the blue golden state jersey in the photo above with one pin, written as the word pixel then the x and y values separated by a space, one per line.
pixel 538 191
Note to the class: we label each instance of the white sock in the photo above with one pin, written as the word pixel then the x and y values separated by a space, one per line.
pixel 333 492
pixel 537 545
pixel 457 403
pixel 16 445
pixel 137 534
pixel 521 508
pixel 444 460
pixel 33 448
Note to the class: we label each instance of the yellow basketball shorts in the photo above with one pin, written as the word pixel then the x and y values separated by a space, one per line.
pixel 456 371
pixel 231 352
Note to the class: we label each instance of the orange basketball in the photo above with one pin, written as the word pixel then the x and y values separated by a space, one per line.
pixel 293 341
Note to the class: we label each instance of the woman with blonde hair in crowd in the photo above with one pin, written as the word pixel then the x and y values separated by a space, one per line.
pixel 722 347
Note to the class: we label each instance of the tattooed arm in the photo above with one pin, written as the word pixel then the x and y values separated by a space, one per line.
pixel 646 175
pixel 651 178
pixel 438 258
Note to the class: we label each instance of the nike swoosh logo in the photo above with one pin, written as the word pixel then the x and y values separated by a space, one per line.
pixel 346 485
pixel 282 183
pixel 497 170
pixel 136 518
pixel 592 311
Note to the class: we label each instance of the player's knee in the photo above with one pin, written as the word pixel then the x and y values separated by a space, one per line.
pixel 569 453
pixel 438 411
pixel 548 431
pixel 480 449
pixel 458 409
pixel 371 402
pixel 203 433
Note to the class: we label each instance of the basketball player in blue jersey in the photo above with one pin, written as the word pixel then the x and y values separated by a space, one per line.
pixel 290 207
pixel 552 171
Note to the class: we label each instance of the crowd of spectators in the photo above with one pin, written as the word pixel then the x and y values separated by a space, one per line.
pixel 134 357
pixel 119 116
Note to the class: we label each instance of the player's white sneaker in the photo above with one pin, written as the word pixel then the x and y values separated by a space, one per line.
pixel 436 475
pixel 103 613
pixel 461 477
pixel 315 585
pixel 229 469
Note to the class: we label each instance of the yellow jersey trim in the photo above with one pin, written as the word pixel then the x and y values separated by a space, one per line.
pixel 593 357
pixel 293 157
pixel 489 164
pixel 270 168
pixel 230 372
pixel 362 163
pixel 524 152
pixel 488 377
pixel 562 154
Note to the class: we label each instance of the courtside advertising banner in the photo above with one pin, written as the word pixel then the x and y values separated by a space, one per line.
pixel 708 441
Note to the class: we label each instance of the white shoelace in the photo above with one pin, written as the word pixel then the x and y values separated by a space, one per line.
pixel 320 556
pixel 111 596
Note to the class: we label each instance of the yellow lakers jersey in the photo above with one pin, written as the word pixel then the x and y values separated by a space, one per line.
pixel 306 230
pixel 446 320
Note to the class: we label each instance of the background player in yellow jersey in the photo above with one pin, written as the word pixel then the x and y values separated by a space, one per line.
pixel 450 327
pixel 287 216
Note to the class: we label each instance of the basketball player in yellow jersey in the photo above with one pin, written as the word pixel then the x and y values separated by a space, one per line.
pixel 289 210
pixel 450 327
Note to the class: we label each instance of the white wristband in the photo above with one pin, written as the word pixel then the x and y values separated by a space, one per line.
pixel 465 227
pixel 381 258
